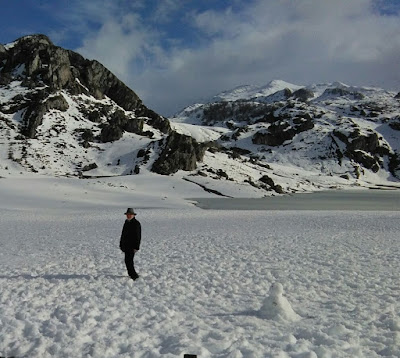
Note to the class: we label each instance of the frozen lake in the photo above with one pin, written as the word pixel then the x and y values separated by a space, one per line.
pixel 219 284
pixel 364 200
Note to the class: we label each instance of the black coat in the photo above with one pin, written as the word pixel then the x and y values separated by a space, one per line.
pixel 131 236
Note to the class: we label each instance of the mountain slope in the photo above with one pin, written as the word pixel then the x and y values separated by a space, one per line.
pixel 62 114
pixel 291 138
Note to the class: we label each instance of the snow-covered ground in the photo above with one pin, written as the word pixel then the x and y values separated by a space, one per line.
pixel 213 283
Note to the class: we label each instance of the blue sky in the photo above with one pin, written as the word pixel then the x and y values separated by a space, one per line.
pixel 176 52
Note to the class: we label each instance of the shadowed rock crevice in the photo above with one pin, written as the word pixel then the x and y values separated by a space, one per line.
pixel 35 111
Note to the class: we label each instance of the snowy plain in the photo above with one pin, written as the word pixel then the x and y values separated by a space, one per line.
pixel 213 283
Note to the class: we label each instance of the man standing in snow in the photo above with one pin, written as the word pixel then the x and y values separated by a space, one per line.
pixel 130 241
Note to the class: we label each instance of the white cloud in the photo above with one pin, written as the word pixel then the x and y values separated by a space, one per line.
pixel 301 41
pixel 117 44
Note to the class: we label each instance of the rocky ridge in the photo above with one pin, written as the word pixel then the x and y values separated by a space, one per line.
pixel 321 136
pixel 55 100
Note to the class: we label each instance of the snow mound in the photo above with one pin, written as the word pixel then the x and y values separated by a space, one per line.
pixel 277 307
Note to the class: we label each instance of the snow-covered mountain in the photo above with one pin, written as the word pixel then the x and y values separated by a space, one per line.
pixel 286 138
pixel 63 115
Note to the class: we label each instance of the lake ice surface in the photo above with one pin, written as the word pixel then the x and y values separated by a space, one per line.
pixel 361 200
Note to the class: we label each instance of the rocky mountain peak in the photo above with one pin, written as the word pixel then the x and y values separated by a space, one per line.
pixel 52 98
pixel 38 62
pixel 40 65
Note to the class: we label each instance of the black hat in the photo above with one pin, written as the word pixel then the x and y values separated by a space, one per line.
pixel 130 211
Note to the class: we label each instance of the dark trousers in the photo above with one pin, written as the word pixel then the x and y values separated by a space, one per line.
pixel 129 264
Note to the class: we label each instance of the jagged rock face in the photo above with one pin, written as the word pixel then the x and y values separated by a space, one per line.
pixel 271 184
pixel 38 63
pixel 282 131
pixel 303 94
pixel 394 165
pixel 180 152
pixel 35 111
pixel 43 63
pixel 364 149
pixel 395 123
pixel 58 93
pixel 341 92
pixel 117 123
pixel 239 112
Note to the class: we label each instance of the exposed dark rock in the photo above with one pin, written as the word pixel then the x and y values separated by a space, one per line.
pixel 303 94
pixel 3 52
pixel 134 125
pixel 397 95
pixel 94 116
pixel 89 167
pixel 144 154
pixel 367 160
pixel 141 153
pixel 271 184
pixel 56 102
pixel 101 81
pixel 200 173
pixel 222 174
pixel 253 184
pixel 240 111
pixel 34 113
pixel 59 69
pixel 238 132
pixel 180 152
pixel 276 135
pixel 86 136
pixel 234 155
pixel 287 92
pixel 110 133
pixel 240 151
pixel 357 141
pixel 280 132
pixel 268 118
pixel 267 180
pixel 363 149
pixel 394 165
pixel 155 120
pixel 217 112
pixel 121 120
pixel 5 78
pixel 395 124
pixel 341 92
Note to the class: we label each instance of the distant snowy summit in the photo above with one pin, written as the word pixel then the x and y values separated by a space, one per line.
pixel 64 115
pixel 248 92
pixel 278 90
